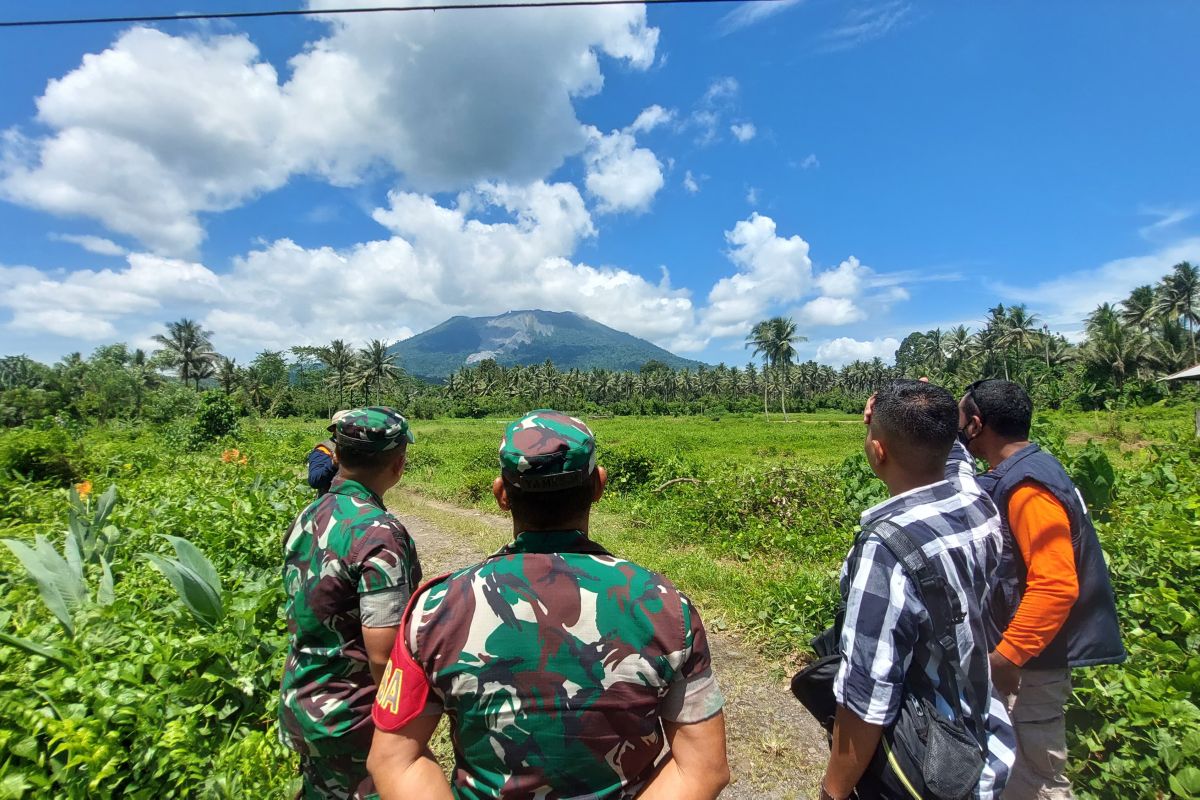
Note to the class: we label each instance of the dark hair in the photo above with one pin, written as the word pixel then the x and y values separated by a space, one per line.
pixel 368 460
pixel 919 421
pixel 1003 406
pixel 545 510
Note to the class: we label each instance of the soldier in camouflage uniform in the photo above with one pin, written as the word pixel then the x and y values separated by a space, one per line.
pixel 566 672
pixel 349 569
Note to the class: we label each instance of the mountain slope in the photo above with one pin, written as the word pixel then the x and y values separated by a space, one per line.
pixel 570 340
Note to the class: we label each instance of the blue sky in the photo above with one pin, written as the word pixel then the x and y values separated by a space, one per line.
pixel 678 172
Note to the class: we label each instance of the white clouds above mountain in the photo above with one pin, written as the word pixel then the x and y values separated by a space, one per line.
pixel 157 129
pixel 438 260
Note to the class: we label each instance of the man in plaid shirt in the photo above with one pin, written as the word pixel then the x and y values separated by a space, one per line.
pixel 887 637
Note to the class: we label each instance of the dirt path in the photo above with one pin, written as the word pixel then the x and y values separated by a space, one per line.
pixel 776 750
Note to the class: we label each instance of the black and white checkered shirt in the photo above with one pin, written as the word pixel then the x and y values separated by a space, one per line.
pixel 887 636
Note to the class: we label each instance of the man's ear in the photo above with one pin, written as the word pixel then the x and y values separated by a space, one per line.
pixel 598 483
pixel 400 464
pixel 501 494
pixel 877 453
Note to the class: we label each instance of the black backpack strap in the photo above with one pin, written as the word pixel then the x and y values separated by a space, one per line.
pixel 945 613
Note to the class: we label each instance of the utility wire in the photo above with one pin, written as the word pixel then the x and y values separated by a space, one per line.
pixel 44 23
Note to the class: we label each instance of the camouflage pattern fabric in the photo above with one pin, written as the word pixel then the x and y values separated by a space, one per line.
pixel 343 553
pixel 373 429
pixel 557 663
pixel 547 450
pixel 336 778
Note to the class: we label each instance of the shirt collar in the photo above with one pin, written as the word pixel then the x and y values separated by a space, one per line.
pixel 567 541
pixel 903 501
pixel 348 488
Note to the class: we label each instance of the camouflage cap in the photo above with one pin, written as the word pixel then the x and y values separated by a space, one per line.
pixel 375 429
pixel 333 421
pixel 546 450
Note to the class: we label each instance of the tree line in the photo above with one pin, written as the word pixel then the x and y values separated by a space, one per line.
pixel 1126 347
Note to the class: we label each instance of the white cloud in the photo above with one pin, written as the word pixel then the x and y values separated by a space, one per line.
pixel 85 304
pixel 1071 297
pixel 93 244
pixel 689 182
pixel 1166 218
pixel 650 118
pixel 771 269
pixel 746 14
pixel 156 130
pixel 830 311
pixel 752 196
pixel 845 280
pixel 622 175
pixel 743 131
pixel 866 24
pixel 437 261
pixel 718 100
pixel 810 162
pixel 843 350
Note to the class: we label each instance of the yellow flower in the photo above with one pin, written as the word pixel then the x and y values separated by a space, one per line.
pixel 230 455
pixel 128 466
pixel 84 489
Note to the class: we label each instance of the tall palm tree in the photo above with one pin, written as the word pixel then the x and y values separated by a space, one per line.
pixel 784 339
pixel 228 374
pixel 1020 332
pixel 376 368
pixel 1114 348
pixel 189 349
pixel 338 358
pixel 1141 307
pixel 1179 298
pixel 762 338
pixel 144 376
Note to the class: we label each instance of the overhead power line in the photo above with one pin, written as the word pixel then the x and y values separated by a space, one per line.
pixel 316 12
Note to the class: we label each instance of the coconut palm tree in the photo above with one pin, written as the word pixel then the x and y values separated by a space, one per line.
pixel 376 368
pixel 762 338
pixel 228 374
pixel 1141 307
pixel 1179 298
pixel 338 358
pixel 188 349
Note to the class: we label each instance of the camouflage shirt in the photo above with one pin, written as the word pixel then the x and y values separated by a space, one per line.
pixel 557 664
pixel 348 563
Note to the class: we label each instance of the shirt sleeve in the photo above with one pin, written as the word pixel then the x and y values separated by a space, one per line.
pixel 879 633
pixel 321 468
pixel 389 572
pixel 694 695
pixel 1042 530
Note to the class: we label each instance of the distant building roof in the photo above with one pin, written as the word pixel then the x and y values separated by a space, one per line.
pixel 1192 374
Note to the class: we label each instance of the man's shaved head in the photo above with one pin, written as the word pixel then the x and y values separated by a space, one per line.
pixel 917 423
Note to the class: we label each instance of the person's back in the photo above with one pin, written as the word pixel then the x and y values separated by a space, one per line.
pixel 566 672
pixel 554 658
pixel 349 569
pixel 890 649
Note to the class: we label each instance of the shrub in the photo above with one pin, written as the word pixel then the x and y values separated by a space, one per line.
pixel 40 455
pixel 215 418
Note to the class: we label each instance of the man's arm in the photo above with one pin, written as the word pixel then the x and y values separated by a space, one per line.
pixel 321 468
pixel 379 642
pixel 697 767
pixel 854 744
pixel 402 764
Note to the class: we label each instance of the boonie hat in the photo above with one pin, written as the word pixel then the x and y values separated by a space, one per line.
pixel 374 429
pixel 333 421
pixel 547 450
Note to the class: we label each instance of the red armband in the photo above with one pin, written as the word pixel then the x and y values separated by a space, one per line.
pixel 404 689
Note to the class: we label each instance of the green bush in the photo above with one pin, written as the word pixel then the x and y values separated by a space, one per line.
pixel 215 418
pixel 40 455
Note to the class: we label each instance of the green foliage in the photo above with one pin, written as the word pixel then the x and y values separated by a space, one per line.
pixel 1135 728
pixel 194 578
pixel 39 455
pixel 215 418
pixel 1095 477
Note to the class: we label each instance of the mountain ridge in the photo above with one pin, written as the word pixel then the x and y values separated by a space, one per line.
pixel 527 336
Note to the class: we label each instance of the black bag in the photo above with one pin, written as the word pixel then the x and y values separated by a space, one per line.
pixel 922 754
